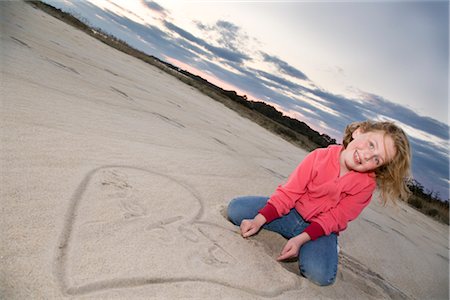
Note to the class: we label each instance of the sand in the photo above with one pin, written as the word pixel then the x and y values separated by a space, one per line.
pixel 115 178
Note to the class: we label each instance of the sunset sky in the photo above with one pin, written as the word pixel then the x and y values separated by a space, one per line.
pixel 325 63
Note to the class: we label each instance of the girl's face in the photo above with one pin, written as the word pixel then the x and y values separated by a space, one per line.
pixel 367 151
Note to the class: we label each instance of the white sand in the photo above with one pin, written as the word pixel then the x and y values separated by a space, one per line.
pixel 115 176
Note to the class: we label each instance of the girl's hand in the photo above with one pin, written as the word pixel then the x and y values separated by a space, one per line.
pixel 250 227
pixel 292 247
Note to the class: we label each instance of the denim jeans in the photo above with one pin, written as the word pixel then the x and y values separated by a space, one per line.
pixel 317 259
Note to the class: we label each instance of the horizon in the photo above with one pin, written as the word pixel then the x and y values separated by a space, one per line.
pixel 265 76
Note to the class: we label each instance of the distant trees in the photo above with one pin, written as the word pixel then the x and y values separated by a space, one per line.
pixel 321 140
pixel 428 202
pixel 418 190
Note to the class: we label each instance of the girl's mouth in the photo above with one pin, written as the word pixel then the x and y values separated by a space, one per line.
pixel 357 158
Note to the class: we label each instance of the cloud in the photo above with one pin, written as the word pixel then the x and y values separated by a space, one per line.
pixel 193 48
pixel 225 34
pixel 429 167
pixel 279 81
pixel 224 53
pixel 284 67
pixel 395 111
pixel 155 7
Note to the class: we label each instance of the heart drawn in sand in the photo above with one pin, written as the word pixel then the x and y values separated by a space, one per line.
pixel 129 227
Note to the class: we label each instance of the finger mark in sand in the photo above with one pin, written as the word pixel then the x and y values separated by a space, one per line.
pixel 62 66
pixel 403 236
pixel 377 226
pixel 224 144
pixel 123 94
pixel 188 234
pixel 20 42
pixel 168 120
pixel 218 257
pixel 132 209
pixel 162 235
pixel 274 173
pixel 443 257
pixel 111 72
pixel 163 222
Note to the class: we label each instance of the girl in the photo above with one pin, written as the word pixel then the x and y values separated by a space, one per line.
pixel 327 190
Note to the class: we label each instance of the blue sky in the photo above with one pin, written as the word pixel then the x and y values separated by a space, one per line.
pixel 325 63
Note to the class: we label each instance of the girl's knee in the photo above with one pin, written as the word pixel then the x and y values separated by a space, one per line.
pixel 233 212
pixel 321 276
pixel 246 207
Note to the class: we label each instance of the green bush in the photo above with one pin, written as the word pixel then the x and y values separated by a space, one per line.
pixel 417 203
pixel 433 212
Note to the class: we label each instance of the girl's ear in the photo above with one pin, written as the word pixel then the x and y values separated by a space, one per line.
pixel 356 132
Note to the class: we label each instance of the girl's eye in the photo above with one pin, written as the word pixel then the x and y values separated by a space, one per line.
pixel 371 146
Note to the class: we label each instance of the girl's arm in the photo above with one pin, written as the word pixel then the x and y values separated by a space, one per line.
pixel 286 195
pixel 292 247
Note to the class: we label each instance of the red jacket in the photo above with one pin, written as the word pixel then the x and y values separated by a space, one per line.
pixel 320 196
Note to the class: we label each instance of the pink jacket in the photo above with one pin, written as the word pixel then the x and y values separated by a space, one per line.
pixel 320 195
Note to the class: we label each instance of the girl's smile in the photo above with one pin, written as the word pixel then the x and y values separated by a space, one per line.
pixel 357 159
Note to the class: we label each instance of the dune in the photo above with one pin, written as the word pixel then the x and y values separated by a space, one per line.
pixel 115 177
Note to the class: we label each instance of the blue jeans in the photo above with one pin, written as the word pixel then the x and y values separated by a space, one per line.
pixel 317 259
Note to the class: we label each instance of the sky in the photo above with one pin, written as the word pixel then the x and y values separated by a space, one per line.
pixel 326 63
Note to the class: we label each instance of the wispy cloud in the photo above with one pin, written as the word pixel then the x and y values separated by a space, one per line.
pixel 224 34
pixel 223 53
pixel 277 81
pixel 284 67
pixel 152 5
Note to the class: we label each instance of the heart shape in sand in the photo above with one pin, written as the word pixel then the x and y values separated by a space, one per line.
pixel 120 233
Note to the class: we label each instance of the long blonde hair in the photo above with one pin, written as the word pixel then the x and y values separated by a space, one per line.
pixel 391 177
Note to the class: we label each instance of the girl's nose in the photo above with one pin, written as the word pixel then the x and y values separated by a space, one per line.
pixel 368 155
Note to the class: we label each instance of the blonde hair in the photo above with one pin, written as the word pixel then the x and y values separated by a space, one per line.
pixel 391 177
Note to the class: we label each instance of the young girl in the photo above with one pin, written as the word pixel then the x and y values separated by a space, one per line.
pixel 327 190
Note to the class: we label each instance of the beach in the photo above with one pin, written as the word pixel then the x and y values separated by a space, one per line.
pixel 116 177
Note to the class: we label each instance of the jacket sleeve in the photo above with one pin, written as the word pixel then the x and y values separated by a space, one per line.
pixel 314 230
pixel 285 196
pixel 348 209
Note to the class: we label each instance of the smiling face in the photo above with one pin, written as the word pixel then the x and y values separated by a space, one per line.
pixel 367 151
